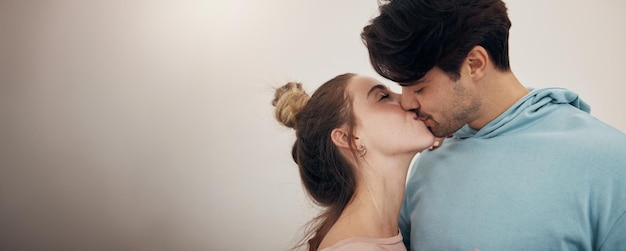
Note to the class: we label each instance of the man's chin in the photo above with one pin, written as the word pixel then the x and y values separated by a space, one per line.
pixel 438 134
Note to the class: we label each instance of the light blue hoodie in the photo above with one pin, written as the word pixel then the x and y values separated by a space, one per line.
pixel 544 175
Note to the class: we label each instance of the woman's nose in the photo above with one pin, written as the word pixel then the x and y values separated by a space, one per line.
pixel 395 97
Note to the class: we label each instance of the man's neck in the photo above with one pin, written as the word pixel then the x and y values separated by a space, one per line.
pixel 499 92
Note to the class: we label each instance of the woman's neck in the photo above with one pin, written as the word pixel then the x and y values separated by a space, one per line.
pixel 374 209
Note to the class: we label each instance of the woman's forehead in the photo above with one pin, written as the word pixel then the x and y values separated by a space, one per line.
pixel 360 86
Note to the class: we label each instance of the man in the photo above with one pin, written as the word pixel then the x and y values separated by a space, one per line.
pixel 525 169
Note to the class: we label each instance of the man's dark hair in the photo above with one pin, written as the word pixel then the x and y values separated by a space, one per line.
pixel 410 37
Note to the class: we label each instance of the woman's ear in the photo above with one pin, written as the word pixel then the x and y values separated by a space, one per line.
pixel 340 138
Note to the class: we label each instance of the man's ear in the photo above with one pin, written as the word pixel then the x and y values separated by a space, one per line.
pixel 477 58
pixel 340 138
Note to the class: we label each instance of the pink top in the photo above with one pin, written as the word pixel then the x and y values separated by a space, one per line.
pixel 369 244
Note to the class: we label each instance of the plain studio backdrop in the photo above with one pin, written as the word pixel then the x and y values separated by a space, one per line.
pixel 147 125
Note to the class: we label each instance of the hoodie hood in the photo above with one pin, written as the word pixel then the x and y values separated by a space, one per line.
pixel 525 112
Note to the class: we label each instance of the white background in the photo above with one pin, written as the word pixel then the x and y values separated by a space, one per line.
pixel 147 125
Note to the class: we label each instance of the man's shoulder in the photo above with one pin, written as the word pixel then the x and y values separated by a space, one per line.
pixel 568 119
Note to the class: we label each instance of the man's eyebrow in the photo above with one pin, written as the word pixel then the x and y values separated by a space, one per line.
pixel 414 83
pixel 420 81
pixel 376 87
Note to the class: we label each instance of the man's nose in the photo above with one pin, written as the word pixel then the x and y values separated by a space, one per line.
pixel 408 101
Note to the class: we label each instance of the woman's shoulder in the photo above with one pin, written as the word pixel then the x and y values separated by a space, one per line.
pixel 368 244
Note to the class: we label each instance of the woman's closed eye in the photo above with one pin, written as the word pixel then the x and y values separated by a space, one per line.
pixel 383 95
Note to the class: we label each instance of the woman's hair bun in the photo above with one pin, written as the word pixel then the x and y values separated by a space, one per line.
pixel 289 99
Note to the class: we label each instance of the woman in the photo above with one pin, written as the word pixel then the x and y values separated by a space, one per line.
pixel 354 144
